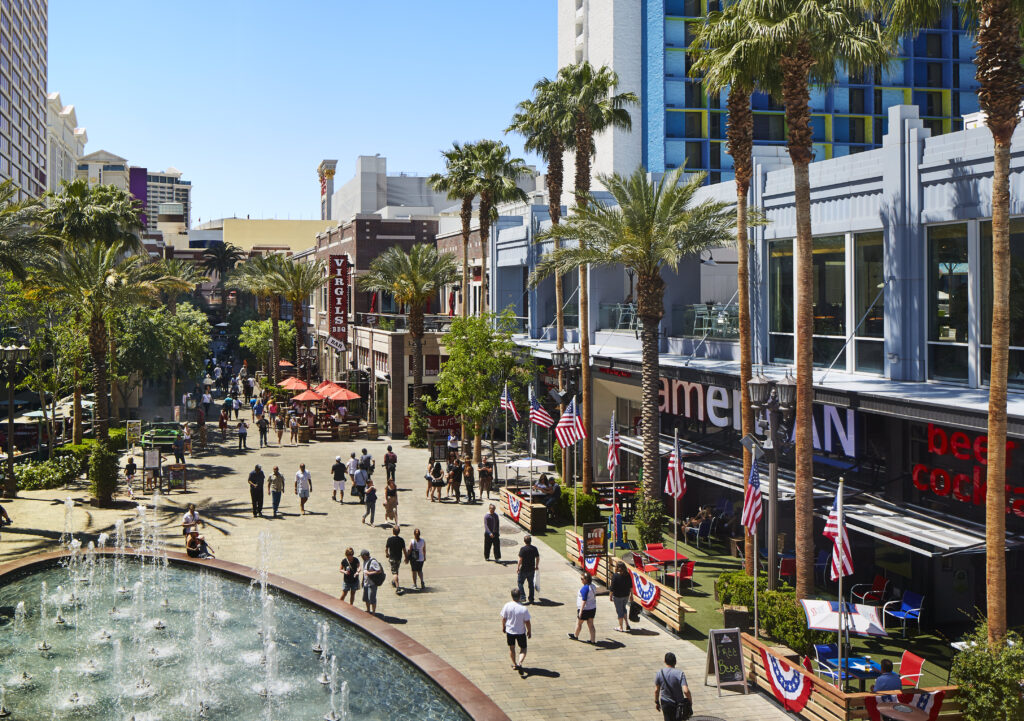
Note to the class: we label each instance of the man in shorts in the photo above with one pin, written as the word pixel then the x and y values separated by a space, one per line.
pixel 303 486
pixel 670 689
pixel 515 622
pixel 338 470
pixel 394 551
pixel 371 566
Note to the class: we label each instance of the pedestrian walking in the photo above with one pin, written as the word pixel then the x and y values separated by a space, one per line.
pixel 272 410
pixel 130 469
pixel 492 534
pixel 436 482
pixel 391 503
pixel 394 551
pixel 293 425
pixel 586 608
pixel 529 564
pixel 429 478
pixel 303 487
pixel 256 478
pixel 515 622
pixel 235 406
pixel 223 425
pixel 367 463
pixel 275 484
pixel 338 473
pixel 257 409
pixel 359 481
pixel 370 501
pixel 279 427
pixel 349 575
pixel 390 462
pixel 416 556
pixel 467 480
pixel 486 478
pixel 620 592
pixel 373 576
pixel 207 400
pixel 263 426
pixel 243 434
pixel 247 387
pixel 191 520
pixel 671 694
pixel 178 446
pixel 455 478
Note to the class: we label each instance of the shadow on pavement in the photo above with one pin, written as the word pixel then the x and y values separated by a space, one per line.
pixel 528 671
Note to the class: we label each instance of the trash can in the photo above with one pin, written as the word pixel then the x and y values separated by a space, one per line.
pixel 304 433
pixel 344 433
pixel 371 431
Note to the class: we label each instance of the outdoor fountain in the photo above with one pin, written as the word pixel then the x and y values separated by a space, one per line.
pixel 129 633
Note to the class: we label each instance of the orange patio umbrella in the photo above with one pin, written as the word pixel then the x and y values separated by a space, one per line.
pixel 327 387
pixel 308 396
pixel 343 394
pixel 293 384
pixel 286 364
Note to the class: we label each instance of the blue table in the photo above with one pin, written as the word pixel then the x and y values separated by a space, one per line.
pixel 856 667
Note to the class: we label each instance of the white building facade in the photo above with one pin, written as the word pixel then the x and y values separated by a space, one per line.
pixel 65 142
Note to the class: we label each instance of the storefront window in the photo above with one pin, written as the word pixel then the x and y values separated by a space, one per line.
pixel 780 285
pixel 1016 368
pixel 947 302
pixel 828 296
pixel 869 300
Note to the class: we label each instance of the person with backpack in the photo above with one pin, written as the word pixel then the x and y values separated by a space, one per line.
pixel 671 694
pixel 586 609
pixel 367 463
pixel 373 577
pixel 390 461
pixel 263 426
pixel 416 556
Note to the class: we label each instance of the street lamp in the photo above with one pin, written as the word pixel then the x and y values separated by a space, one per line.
pixel 776 399
pixel 567 361
pixel 11 356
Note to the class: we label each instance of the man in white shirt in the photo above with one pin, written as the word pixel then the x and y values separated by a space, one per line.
pixel 303 486
pixel 515 622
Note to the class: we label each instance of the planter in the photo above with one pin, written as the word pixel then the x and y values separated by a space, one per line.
pixel 344 434
pixel 739 617
pixel 371 431
pixel 304 434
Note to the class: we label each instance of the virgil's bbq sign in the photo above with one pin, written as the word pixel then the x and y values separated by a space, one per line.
pixel 337 290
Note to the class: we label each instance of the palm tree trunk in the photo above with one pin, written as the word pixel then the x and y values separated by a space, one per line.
pixel 299 320
pixel 477 438
pixel 740 135
pixel 416 334
pixel 650 307
pixel 76 412
pixel 485 236
pixel 172 308
pixel 554 181
pixel 584 143
pixel 275 333
pixel 796 97
pixel 98 351
pixel 466 215
pixel 1001 78
pixel 223 297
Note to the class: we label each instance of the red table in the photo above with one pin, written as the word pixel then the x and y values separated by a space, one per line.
pixel 666 556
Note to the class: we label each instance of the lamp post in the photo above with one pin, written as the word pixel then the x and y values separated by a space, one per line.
pixel 12 356
pixel 776 399
pixel 567 361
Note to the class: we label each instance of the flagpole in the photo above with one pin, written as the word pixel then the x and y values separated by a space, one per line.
pixel 757 574
pixel 613 474
pixel 839 562
pixel 675 504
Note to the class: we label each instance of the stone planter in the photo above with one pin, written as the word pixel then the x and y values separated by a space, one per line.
pixel 739 617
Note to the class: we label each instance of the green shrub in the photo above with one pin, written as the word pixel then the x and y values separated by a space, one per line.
pixel 989 676
pixel 80 451
pixel 649 520
pixel 417 429
pixel 118 439
pixel 779 614
pixel 54 473
pixel 102 474
pixel 556 457
pixel 736 588
pixel 586 506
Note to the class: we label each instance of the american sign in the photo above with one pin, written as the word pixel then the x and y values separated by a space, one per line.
pixel 337 286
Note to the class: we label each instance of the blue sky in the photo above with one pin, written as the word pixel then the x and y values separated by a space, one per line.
pixel 246 98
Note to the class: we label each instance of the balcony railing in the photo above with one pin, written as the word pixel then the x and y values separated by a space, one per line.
pixel 617 317
pixel 399 322
pixel 706 320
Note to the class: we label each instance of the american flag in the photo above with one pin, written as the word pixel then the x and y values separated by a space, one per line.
pixel 675 484
pixel 752 501
pixel 613 446
pixel 842 562
pixel 537 413
pixel 507 404
pixel 570 426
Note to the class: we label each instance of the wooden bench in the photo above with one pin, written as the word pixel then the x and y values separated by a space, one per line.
pixel 532 516
pixel 670 609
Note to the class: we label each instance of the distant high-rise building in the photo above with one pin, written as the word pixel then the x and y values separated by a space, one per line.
pixel 165 186
pixel 23 94
pixel 65 142
pixel 679 124
pixel 150 187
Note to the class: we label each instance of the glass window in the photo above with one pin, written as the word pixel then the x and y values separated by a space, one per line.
pixel 947 302
pixel 780 272
pixel 1016 356
pixel 869 296
pixel 829 289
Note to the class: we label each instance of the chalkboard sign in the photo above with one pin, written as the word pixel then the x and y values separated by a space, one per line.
pixel 725 659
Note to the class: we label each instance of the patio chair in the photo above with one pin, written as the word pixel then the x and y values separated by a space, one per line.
pixel 701 531
pixel 873 592
pixel 641 565
pixel 822 564
pixel 905 609
pixel 824 651
pixel 701 320
pixel 787 568
pixel 910 669
pixel 654 547
pixel 683 573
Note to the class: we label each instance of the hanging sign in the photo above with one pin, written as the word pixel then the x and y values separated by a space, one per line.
pixel 134 432
pixel 595 539
pixel 337 291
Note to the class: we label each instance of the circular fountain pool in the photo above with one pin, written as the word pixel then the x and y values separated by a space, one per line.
pixel 121 636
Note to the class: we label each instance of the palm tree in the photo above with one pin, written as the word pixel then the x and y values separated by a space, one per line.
pixel 459 181
pixel 722 64
pixel 256 276
pixel 589 93
pixel 221 258
pixel 547 124
pixel 650 228
pixel 178 276
pixel 413 278
pixel 296 282
pixel 20 236
pixel 806 40
pixel 496 176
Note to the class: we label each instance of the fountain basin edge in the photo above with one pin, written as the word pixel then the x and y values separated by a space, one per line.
pixel 464 692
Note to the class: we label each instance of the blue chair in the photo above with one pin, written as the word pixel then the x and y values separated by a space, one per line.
pixel 906 609
pixel 701 531
pixel 821 565
pixel 824 651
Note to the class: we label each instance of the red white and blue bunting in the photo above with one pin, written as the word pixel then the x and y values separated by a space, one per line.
pixel 589 562
pixel 791 687
pixel 645 590
pixel 928 703
pixel 515 506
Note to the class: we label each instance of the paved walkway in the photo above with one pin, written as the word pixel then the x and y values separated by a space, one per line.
pixel 456 616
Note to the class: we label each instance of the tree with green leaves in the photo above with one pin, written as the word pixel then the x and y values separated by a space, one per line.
pixel 257 337
pixel 497 176
pixel 481 358
pixel 256 276
pixel 459 181
pixel 20 234
pixel 181 276
pixel 100 214
pixel 596 107
pixel 808 41
pixel 220 259
pixel 650 228
pixel 296 283
pixel 413 279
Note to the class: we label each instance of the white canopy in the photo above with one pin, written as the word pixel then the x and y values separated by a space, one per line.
pixel 528 463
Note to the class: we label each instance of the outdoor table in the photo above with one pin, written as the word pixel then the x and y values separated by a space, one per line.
pixel 858 667
pixel 628 496
pixel 666 556
pixel 901 712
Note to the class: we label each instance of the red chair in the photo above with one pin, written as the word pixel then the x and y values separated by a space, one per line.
pixel 787 568
pixel 910 669
pixel 875 593
pixel 641 565
pixel 808 665
pixel 654 547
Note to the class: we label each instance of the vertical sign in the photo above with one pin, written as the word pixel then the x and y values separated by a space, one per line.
pixel 337 288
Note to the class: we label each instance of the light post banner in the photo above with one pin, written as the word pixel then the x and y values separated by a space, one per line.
pixel 337 289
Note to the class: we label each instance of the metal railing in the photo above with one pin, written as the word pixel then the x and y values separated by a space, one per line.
pixel 706 320
pixel 399 322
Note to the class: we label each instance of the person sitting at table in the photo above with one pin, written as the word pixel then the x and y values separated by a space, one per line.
pixel 889 680
pixel 695 521
pixel 552 499
pixel 544 486
pixel 339 415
